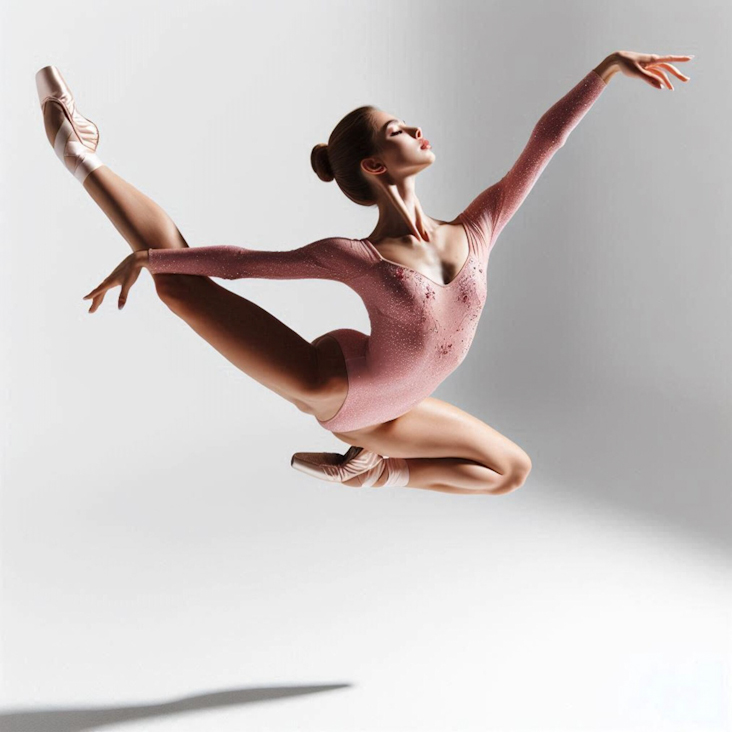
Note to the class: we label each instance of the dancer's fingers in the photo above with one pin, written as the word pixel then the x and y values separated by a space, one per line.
pixel 96 303
pixel 661 76
pixel 674 58
pixel 673 70
pixel 654 81
pixel 126 285
pixel 105 285
pixel 99 288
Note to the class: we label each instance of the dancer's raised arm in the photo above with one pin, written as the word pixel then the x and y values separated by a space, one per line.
pixel 491 210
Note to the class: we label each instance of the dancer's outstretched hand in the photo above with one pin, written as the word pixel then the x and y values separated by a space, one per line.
pixel 647 66
pixel 125 274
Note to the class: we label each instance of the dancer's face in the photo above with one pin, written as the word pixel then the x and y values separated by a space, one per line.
pixel 401 152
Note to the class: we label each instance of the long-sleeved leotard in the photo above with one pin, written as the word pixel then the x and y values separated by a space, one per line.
pixel 420 330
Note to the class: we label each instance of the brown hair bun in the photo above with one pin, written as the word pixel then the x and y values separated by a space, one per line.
pixel 321 163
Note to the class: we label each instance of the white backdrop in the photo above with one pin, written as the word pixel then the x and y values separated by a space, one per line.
pixel 163 567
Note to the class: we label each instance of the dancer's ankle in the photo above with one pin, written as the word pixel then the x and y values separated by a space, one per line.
pixel 78 159
pixel 395 473
pixel 383 477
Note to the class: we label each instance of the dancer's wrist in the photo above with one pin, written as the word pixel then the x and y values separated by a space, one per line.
pixel 608 67
pixel 142 257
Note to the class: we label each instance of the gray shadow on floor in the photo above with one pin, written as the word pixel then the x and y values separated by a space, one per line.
pixel 78 719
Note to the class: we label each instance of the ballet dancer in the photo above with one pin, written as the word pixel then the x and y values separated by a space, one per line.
pixel 422 280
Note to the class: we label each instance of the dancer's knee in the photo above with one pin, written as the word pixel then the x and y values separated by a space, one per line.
pixel 515 477
pixel 521 470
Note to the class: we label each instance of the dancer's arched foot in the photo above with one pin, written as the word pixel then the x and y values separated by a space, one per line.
pixel 334 467
pixel 358 467
pixel 390 471
pixel 74 137
pixel 53 118
pixel 374 477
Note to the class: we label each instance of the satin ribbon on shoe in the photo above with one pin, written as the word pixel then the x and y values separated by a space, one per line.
pixel 77 157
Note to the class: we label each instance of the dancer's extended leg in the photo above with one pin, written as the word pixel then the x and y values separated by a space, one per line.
pixel 244 333
pixel 138 218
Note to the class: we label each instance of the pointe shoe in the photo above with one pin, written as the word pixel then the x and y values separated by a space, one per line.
pixel 339 468
pixel 77 138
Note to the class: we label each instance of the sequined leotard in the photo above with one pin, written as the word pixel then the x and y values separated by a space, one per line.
pixel 420 330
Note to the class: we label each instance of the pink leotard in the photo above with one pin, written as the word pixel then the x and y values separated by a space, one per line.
pixel 420 330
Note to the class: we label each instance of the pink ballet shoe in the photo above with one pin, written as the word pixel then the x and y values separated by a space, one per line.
pixel 77 138
pixel 339 468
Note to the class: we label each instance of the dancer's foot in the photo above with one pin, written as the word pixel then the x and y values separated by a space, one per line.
pixel 389 472
pixel 74 137
pixel 377 474
pixel 53 118
pixel 358 467
pixel 334 467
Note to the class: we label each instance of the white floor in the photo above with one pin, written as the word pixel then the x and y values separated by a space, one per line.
pixel 291 604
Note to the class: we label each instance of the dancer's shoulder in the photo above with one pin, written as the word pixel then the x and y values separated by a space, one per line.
pixel 480 213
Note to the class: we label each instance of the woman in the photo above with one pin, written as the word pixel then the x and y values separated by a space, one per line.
pixel 423 282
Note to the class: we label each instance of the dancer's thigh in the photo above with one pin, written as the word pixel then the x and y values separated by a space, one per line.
pixel 435 428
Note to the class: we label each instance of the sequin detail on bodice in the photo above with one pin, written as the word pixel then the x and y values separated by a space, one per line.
pixel 424 328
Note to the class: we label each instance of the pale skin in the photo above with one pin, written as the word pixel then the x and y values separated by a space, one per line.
pixel 447 449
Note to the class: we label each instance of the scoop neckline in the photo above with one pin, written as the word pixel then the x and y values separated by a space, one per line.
pixel 421 274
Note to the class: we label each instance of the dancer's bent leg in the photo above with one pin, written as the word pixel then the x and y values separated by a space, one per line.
pixel 448 475
pixel 447 449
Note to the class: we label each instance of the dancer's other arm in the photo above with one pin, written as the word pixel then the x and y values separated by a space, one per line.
pixel 334 258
